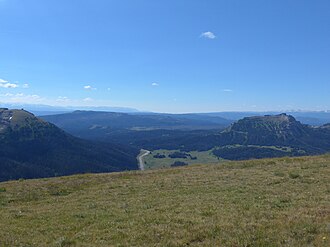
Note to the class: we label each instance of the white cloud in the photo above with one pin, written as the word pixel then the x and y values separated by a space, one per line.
pixel 88 87
pixel 7 95
pixel 8 85
pixel 62 99
pixel 22 98
pixel 227 90
pixel 87 99
pixel 208 35
pixel 155 84
pixel 109 89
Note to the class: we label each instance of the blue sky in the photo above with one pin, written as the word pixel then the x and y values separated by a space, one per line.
pixel 167 56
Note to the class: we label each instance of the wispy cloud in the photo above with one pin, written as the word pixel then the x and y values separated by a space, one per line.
pixel 227 90
pixel 22 98
pixel 7 84
pixel 7 95
pixel 208 35
pixel 62 99
pixel 154 84
pixel 87 99
pixel 89 87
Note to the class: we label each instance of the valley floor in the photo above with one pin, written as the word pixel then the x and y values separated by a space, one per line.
pixel 206 157
pixel 270 202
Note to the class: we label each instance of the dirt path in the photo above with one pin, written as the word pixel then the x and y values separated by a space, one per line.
pixel 140 157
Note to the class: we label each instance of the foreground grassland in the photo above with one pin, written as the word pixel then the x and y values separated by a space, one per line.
pixel 205 157
pixel 274 202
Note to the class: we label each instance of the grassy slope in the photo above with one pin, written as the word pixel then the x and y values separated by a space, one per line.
pixel 274 202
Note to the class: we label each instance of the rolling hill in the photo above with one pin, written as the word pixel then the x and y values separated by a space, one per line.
pixel 314 118
pixel 250 137
pixel 271 202
pixel 105 122
pixel 32 148
pixel 277 130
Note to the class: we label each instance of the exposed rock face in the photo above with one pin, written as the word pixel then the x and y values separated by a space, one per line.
pixel 274 130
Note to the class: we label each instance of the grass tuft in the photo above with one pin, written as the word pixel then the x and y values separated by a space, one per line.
pixel 294 175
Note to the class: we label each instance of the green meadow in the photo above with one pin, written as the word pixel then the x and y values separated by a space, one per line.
pixel 205 157
pixel 269 202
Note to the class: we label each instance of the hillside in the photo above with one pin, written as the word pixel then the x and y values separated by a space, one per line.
pixel 315 118
pixel 98 123
pixel 281 132
pixel 32 148
pixel 251 137
pixel 272 202
pixel 278 130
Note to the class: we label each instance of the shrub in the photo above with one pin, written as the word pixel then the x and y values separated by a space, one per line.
pixel 179 155
pixel 159 156
pixel 279 174
pixel 179 163
pixel 294 175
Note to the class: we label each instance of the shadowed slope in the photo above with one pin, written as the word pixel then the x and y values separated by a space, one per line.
pixel 31 147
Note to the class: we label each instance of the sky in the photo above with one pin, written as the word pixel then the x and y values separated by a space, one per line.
pixel 167 56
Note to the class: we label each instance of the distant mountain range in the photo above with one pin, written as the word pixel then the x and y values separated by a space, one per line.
pixel 278 130
pixel 31 148
pixel 262 136
pixel 41 110
pixel 102 123
pixel 315 118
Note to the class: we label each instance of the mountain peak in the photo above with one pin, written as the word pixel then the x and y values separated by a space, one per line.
pixel 21 124
pixel 15 115
pixel 267 122
pixel 31 147
pixel 262 130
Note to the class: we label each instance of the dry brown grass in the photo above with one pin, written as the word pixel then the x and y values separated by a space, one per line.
pixel 272 202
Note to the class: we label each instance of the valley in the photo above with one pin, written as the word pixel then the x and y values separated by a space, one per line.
pixel 32 147
pixel 159 159
pixel 247 138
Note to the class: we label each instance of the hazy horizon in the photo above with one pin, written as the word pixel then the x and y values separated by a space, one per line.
pixel 57 108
